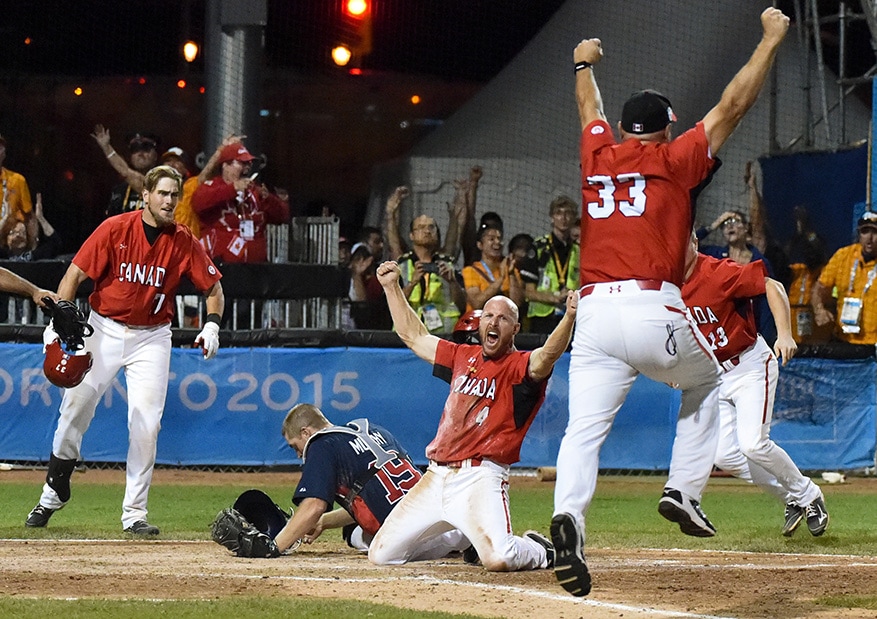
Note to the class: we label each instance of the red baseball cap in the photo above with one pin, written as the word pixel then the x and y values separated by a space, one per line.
pixel 235 151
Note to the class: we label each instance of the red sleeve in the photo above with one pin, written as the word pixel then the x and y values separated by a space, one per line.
pixel 742 281
pixel 202 272
pixel 276 210
pixel 212 194
pixel 689 155
pixel 92 257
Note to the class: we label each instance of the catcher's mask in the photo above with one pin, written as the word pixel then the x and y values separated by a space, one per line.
pixel 466 329
pixel 63 369
pixel 263 513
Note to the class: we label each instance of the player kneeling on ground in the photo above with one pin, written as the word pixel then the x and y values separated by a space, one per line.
pixel 496 391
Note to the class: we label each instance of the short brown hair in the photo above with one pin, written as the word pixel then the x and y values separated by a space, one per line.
pixel 303 416
pixel 150 181
pixel 561 202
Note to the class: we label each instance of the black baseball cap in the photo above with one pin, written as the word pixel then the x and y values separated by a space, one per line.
pixel 142 141
pixel 868 220
pixel 646 111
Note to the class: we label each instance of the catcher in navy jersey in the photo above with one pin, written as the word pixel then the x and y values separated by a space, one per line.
pixel 363 468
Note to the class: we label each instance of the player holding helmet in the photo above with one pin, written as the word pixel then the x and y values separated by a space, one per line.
pixel 136 260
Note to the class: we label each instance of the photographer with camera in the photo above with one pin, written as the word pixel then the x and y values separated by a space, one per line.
pixel 429 280
pixel 494 274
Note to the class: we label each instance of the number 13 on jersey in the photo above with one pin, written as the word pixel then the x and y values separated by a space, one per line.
pixel 613 190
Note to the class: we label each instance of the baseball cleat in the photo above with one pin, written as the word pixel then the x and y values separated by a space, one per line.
pixel 794 515
pixel 470 556
pixel 570 568
pixel 141 527
pixel 817 517
pixel 39 516
pixel 686 512
pixel 543 541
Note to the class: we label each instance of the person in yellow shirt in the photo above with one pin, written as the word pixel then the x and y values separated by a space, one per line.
pixel 494 274
pixel 850 276
pixel 15 200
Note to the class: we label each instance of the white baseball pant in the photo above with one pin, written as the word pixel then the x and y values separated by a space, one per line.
pixel 623 331
pixel 472 499
pixel 145 355
pixel 746 399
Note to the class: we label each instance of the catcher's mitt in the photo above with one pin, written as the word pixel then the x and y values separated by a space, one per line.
pixel 69 323
pixel 232 530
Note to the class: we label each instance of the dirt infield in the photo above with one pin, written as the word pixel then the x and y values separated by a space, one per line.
pixel 637 583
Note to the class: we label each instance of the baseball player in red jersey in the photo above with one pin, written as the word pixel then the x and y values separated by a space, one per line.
pixel 719 296
pixel 636 221
pixel 135 260
pixel 495 394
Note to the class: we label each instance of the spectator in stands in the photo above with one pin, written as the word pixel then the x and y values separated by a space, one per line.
pixel 523 250
pixel 761 236
pixel 457 212
pixel 429 280
pixel 851 271
pixel 17 244
pixel 143 156
pixel 174 157
pixel 15 199
pixel 736 232
pixel 369 308
pixel 495 274
pixel 468 229
pixel 807 257
pixel 344 250
pixel 575 232
pixel 234 210
pixel 557 257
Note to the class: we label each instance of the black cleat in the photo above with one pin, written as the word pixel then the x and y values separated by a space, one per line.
pixel 570 568
pixel 677 507
pixel 817 517
pixel 39 517
pixel 794 515
pixel 543 541
pixel 142 528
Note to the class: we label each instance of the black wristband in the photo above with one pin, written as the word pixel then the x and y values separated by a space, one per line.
pixel 581 65
pixel 214 318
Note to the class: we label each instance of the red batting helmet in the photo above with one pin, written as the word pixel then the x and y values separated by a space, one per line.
pixel 466 329
pixel 65 370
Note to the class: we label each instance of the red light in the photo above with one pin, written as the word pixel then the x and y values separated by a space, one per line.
pixel 141 81
pixel 356 8
pixel 355 71
pixel 27 40
pixel 181 83
pixel 202 90
pixel 68 175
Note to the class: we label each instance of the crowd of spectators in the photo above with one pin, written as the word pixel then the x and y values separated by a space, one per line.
pixel 229 209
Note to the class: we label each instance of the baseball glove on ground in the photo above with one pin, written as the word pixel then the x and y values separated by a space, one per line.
pixel 69 323
pixel 232 530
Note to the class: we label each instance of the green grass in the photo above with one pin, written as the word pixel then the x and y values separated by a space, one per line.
pixel 233 608
pixel 622 515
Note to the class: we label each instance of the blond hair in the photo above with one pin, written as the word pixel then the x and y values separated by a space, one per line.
pixel 303 416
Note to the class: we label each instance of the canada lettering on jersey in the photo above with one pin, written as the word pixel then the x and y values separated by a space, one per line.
pixel 472 385
pixel 702 315
pixel 148 275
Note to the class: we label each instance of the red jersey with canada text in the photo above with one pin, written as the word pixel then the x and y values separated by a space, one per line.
pixel 135 282
pixel 491 405
pixel 636 204
pixel 718 295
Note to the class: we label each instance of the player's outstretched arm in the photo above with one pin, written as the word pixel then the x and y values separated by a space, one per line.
pixel 14 283
pixel 409 327
pixel 742 91
pixel 778 302
pixel 302 522
pixel 542 359
pixel 589 52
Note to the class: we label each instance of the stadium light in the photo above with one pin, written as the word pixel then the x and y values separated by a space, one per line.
pixel 341 55
pixel 190 51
